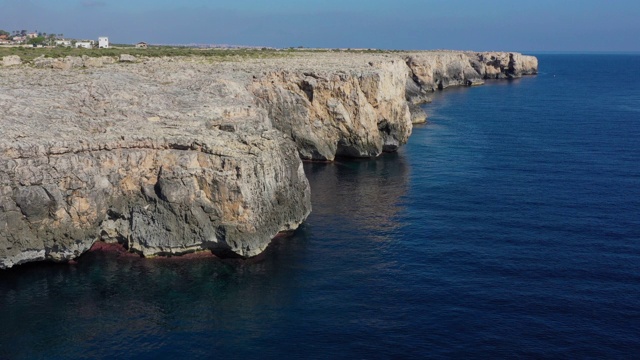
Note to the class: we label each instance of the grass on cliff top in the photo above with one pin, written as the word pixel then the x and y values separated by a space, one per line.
pixel 29 53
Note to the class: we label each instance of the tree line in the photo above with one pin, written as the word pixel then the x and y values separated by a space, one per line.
pixel 42 38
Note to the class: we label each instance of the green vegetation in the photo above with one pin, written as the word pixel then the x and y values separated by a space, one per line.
pixel 40 40
pixel 30 53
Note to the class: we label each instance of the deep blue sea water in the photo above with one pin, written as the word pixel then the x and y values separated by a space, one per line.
pixel 509 226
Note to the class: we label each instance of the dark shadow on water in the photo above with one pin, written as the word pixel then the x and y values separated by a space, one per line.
pixel 364 194
pixel 109 305
pixel 114 305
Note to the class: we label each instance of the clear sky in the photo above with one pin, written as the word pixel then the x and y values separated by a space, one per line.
pixel 541 25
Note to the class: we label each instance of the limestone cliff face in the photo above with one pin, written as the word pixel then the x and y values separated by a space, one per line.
pixel 175 155
pixel 431 71
pixel 355 112
pixel 171 196
pixel 160 162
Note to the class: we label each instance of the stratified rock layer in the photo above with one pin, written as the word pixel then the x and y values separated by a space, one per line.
pixel 176 155
pixel 161 162
pixel 430 71
pixel 357 111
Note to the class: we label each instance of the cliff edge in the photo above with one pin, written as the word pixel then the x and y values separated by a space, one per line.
pixel 175 155
pixel 164 159
pixel 438 70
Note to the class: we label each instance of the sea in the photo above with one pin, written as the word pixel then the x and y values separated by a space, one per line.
pixel 508 227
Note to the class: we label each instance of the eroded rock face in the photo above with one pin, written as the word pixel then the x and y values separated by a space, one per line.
pixel 432 71
pixel 357 112
pixel 170 156
pixel 158 161
pixel 155 197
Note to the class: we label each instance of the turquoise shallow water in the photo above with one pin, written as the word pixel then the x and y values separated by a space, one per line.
pixel 508 226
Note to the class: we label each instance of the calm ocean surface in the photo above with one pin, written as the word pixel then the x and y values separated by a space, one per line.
pixel 508 226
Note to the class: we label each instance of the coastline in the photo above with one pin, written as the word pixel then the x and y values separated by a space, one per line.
pixel 194 154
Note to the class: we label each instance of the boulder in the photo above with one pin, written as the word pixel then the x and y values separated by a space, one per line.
pixel 43 62
pixel 91 62
pixel 11 60
pixel 418 115
pixel 126 58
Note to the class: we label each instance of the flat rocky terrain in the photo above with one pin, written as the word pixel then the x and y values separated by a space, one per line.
pixel 176 155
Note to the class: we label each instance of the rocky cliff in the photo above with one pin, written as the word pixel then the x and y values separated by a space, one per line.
pixel 353 111
pixel 176 155
pixel 163 159
pixel 431 71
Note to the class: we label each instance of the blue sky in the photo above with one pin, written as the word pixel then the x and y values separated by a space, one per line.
pixel 542 25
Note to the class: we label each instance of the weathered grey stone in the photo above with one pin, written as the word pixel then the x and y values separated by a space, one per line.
pixel 104 172
pixel 418 115
pixel 90 62
pixel 34 202
pixel 58 64
pixel 126 58
pixel 11 60
pixel 43 62
pixel 61 64
pixel 108 60
pixel 74 61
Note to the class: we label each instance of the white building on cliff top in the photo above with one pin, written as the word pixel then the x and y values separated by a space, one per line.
pixel 103 42
pixel 87 44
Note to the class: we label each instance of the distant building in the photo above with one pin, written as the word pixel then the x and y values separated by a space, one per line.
pixel 87 44
pixel 142 45
pixel 103 42
pixel 32 35
pixel 63 42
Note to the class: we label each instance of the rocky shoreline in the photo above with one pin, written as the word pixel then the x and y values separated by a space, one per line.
pixel 171 156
